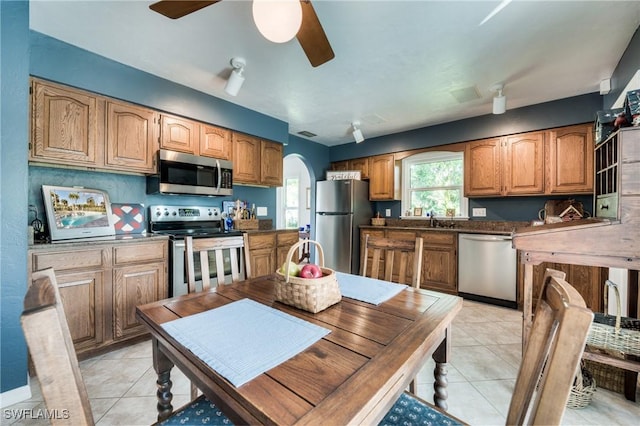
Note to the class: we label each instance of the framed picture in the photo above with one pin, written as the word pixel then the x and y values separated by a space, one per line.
pixel 228 207
pixel 417 211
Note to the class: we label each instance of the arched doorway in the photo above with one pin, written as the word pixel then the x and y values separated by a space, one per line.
pixel 293 199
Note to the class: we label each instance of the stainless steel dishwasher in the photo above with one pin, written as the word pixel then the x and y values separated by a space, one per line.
pixel 487 269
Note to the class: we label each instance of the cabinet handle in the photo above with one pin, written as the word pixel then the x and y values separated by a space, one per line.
pixel 604 207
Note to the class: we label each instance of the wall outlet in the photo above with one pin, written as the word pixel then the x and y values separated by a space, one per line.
pixel 387 212
pixel 261 211
pixel 479 212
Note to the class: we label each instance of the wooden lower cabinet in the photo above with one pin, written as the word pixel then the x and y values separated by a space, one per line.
pixel 101 284
pixel 439 256
pixel 268 250
pixel 588 280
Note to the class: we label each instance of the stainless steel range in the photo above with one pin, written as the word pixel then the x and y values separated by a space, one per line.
pixel 178 222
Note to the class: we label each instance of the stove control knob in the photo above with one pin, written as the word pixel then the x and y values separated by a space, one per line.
pixel 166 213
pixel 158 213
pixel 173 213
pixel 210 213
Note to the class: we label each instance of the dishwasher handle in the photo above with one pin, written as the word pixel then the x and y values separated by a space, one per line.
pixel 487 238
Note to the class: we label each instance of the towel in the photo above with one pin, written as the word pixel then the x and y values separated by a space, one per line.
pixel 366 289
pixel 243 339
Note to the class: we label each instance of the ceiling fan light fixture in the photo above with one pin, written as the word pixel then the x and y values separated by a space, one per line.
pixel 277 20
pixel 236 78
pixel 357 133
pixel 499 100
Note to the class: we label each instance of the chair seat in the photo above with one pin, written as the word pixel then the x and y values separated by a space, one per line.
pixel 198 412
pixel 408 411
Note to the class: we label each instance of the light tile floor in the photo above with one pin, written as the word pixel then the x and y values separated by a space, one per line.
pixel 485 359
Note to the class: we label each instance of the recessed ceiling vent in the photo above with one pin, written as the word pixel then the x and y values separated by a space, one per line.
pixel 466 94
pixel 307 134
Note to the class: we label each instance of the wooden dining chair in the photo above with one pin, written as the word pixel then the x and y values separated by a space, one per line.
pixel 402 264
pixel 402 260
pixel 206 247
pixel 549 364
pixel 200 250
pixel 54 358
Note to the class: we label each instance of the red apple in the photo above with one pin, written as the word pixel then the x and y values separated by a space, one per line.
pixel 310 271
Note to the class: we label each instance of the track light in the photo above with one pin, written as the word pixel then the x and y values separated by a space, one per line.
pixel 236 79
pixel 357 133
pixel 499 101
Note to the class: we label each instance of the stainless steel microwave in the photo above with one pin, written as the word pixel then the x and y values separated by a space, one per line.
pixel 180 173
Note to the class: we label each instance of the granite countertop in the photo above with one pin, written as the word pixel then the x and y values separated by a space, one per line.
pixel 466 226
pixel 118 239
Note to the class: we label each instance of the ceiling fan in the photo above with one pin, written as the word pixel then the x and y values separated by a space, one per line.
pixel 311 36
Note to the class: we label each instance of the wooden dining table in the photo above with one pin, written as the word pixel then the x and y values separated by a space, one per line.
pixel 353 375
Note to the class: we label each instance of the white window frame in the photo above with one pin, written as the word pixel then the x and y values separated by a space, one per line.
pixel 432 157
pixel 285 206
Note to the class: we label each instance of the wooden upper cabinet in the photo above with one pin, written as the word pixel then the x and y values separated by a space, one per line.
pixel 271 163
pixel 340 166
pixel 246 158
pixel 483 168
pixel 215 142
pixel 361 164
pixel 570 160
pixel 524 164
pixel 179 134
pixel 382 177
pixel 513 165
pixel 131 137
pixel 65 125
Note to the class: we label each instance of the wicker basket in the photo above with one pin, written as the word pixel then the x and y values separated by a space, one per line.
pixel 246 224
pixel 584 386
pixel 607 376
pixel 309 294
pixel 378 221
pixel 626 339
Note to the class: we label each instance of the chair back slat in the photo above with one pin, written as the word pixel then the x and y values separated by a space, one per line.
pixel 552 356
pixel 52 353
pixel 207 248
pixel 389 253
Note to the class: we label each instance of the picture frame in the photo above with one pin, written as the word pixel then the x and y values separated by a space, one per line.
pixel 417 211
pixel 228 207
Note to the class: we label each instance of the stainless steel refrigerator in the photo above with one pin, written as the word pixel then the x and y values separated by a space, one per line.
pixel 341 207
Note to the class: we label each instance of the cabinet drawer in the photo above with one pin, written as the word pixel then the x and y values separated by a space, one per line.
pixel 262 241
pixel 438 237
pixel 61 261
pixel 139 253
pixel 401 235
pixel 287 238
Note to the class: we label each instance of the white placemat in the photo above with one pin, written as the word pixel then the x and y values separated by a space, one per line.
pixel 367 289
pixel 244 339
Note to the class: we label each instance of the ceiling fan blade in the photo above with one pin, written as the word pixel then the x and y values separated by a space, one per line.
pixel 312 38
pixel 175 9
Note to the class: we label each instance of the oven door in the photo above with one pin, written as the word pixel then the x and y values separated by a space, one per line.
pixel 178 270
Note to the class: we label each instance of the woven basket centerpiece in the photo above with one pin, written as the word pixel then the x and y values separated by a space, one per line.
pixel 309 294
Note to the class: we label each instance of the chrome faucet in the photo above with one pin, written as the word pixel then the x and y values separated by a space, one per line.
pixel 432 221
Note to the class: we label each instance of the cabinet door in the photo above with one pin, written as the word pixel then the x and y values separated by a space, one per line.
pixel 132 286
pixel 284 241
pixel 65 125
pixel 381 177
pixel 263 262
pixel 131 138
pixel 83 301
pixel 270 163
pixel 340 166
pixel 361 164
pixel 246 158
pixel 482 168
pixel 524 164
pixel 439 261
pixel 179 134
pixel 215 142
pixel 570 160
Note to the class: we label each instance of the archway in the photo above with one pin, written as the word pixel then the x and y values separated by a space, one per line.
pixel 296 180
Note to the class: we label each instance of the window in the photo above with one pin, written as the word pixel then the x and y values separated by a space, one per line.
pixel 291 202
pixel 433 182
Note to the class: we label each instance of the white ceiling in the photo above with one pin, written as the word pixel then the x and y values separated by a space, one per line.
pixel 396 61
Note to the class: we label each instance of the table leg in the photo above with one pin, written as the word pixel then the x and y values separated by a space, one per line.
pixel 527 304
pixel 441 357
pixel 162 365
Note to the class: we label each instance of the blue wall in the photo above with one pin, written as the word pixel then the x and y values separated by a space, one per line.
pixel 14 87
